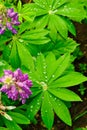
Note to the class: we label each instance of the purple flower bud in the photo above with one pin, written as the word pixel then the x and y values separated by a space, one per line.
pixel 8 72
pixel 11 13
pixel 2 29
pixel 16 85
pixel 14 31
pixel 15 20
pixel 8 19
pixel 9 26
pixel 16 23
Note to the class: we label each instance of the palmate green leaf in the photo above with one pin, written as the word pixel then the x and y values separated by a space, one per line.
pixel 14 57
pixel 64 46
pixel 3 128
pixel 24 26
pixel 41 67
pixel 61 110
pixel 43 4
pixel 70 26
pixel 57 24
pixel 11 125
pixel 19 6
pixel 25 56
pixel 60 25
pixel 59 12
pixel 59 3
pixel 19 118
pixel 51 64
pixel 3 40
pixel 34 106
pixel 24 12
pixel 41 22
pixel 34 75
pixel 37 36
pixel 62 64
pixel 61 47
pixel 71 79
pixel 36 9
pixel 47 111
pixel 64 94
pixel 48 70
pixel 36 90
pixel 53 30
pixel 73 10
pixel 3 66
pixel 6 53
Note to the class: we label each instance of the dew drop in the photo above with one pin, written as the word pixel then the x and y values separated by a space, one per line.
pixel 46 111
pixel 20 40
pixel 49 102
pixel 44 66
pixel 44 72
pixel 46 80
pixel 28 115
pixel 31 106
pixel 38 54
pixel 38 103
pixel 42 97
pixel 55 98
pixel 31 110
pixel 50 6
pixel 1 63
pixel 50 96
pixel 53 76
pixel 46 77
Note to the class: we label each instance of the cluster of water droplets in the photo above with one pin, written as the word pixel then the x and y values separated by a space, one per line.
pixel 46 110
pixel 34 108
pixel 45 70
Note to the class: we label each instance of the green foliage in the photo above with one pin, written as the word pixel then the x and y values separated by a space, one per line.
pixel 24 12
pixel 14 58
pixel 12 125
pixel 43 49
pixel 3 65
pixel 2 128
pixel 37 36
pixel 19 118
pixel 50 88
pixel 57 15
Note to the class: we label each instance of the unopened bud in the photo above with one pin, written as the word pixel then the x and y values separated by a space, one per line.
pixel 10 107
pixel 6 115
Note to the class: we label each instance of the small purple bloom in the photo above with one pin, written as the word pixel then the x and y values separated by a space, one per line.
pixel 11 13
pixel 14 31
pixel 2 29
pixel 8 19
pixel 9 26
pixel 15 20
pixel 16 85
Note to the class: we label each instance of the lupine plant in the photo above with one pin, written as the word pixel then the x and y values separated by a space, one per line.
pixel 36 61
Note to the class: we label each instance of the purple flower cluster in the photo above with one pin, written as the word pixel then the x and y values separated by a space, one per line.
pixel 16 85
pixel 8 19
